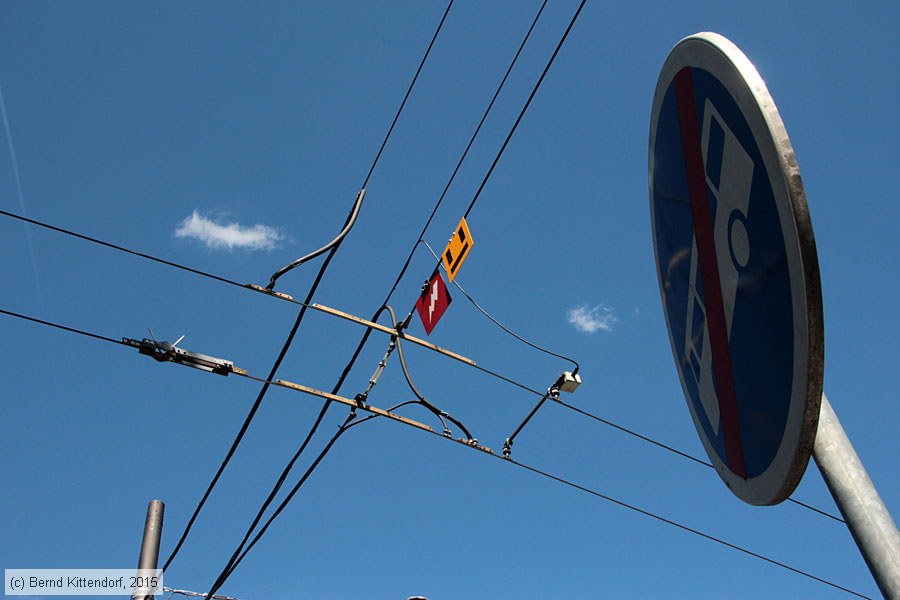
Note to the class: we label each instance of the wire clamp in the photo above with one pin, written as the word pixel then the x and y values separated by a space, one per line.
pixel 507 448
pixel 269 291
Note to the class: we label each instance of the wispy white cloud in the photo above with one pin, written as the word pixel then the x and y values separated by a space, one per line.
pixel 228 235
pixel 591 319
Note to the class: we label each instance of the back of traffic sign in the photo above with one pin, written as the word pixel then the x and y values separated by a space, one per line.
pixel 737 267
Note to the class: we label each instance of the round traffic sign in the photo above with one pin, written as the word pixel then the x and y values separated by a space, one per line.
pixel 737 267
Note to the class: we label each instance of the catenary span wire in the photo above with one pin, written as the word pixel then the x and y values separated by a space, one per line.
pixel 501 325
pixel 63 327
pixel 337 388
pixel 465 152
pixel 518 463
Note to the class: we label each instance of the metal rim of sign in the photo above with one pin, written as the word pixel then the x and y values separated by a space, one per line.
pixel 725 61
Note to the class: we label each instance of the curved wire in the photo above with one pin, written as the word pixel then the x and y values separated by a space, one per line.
pixel 434 409
pixel 348 225
pixel 501 325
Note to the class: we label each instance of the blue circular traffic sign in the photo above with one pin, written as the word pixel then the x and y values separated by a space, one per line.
pixel 737 267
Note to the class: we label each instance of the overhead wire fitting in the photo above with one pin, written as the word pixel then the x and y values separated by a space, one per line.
pixel 170 352
pixel 566 382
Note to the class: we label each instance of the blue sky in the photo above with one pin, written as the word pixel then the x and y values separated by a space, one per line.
pixel 132 122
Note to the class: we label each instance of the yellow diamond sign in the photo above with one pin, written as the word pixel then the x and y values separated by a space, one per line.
pixel 457 249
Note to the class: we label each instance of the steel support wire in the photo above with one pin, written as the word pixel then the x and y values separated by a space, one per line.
pixel 654 516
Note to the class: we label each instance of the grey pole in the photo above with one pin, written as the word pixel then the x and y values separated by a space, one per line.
pixel 868 519
pixel 149 556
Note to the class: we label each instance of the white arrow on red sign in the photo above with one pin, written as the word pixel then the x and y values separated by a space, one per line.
pixel 433 302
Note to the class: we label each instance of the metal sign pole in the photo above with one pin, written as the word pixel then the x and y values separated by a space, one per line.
pixel 868 519
pixel 147 561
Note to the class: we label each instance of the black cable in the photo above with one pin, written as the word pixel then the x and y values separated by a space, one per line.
pixel 63 327
pixel 679 452
pixel 351 220
pixel 120 248
pixel 408 91
pixel 465 153
pixel 241 552
pixel 524 108
pixel 237 559
pixel 256 404
pixel 326 404
pixel 680 526
pixel 647 513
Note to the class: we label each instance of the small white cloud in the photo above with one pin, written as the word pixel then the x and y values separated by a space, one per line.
pixel 229 235
pixel 589 320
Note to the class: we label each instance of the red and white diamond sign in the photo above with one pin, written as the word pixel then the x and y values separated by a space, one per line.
pixel 433 302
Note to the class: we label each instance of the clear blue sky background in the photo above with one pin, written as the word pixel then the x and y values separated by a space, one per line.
pixel 128 117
